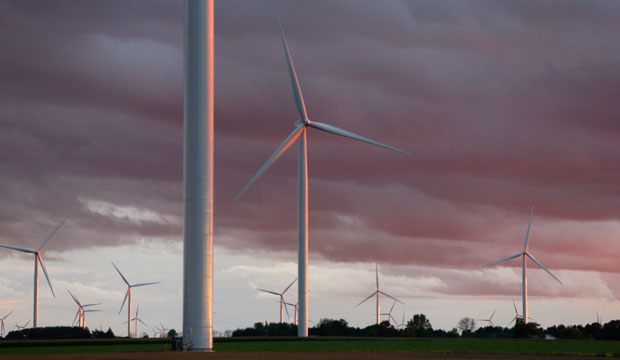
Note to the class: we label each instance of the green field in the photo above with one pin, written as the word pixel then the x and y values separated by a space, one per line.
pixel 476 346
pixel 463 346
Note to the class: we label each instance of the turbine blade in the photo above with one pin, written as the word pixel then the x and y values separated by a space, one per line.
pixel 45 273
pixel 491 317
pixel 28 323
pixel 515 306
pixel 543 267
pixel 286 309
pixel 392 308
pixel 143 323
pixel 527 235
pixel 92 310
pixel 74 298
pixel 7 315
pixel 345 133
pixel 137 310
pixel 51 234
pixel 299 98
pixel 267 291
pixel 119 272
pixel 506 259
pixel 283 292
pixel 391 297
pixel 76 315
pixel 361 302
pixel 123 304
pixel 511 321
pixel 18 249
pixel 275 156
pixel 91 304
pixel 144 284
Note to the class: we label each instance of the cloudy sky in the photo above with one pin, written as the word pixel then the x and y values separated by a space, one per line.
pixel 503 105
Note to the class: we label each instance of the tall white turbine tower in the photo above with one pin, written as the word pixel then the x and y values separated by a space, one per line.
pixel 377 293
pixel 524 255
pixel 301 127
pixel 38 259
pixel 198 177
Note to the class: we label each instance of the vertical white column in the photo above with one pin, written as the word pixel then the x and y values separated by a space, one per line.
pixel 524 289
pixel 378 309
pixel 198 177
pixel 35 307
pixel 129 314
pixel 302 228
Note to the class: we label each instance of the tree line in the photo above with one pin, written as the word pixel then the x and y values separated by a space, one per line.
pixel 420 326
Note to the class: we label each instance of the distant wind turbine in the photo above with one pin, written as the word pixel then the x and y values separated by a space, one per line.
pixel 2 323
pixel 295 309
pixel 300 132
pixel 524 255
pixel 38 259
pixel 377 293
pixel 128 295
pixel 389 315
pixel 489 320
pixel 517 315
pixel 135 320
pixel 402 323
pixel 81 312
pixel 281 295
pixel 22 327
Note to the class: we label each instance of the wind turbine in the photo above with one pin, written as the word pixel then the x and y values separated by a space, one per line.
pixel 25 326
pixel 389 315
pixel 524 255
pixel 38 259
pixel 281 295
pixel 136 319
pixel 294 306
pixel 377 292
pixel 489 320
pixel 2 323
pixel 128 294
pixel 300 133
pixel 402 323
pixel 81 311
pixel 517 316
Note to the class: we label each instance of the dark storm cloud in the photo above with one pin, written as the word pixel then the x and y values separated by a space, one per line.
pixel 502 104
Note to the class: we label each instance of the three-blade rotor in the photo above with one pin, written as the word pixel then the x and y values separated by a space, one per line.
pixel 305 122
pixel 525 251
pixel 129 286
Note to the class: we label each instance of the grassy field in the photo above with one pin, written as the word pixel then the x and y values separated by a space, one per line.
pixel 86 349
pixel 474 346
pixel 448 346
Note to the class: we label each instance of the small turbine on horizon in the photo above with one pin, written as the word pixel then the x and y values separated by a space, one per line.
pixel 389 315
pixel 524 255
pixel 22 327
pixel 281 295
pixel 2 323
pixel 300 132
pixel 490 319
pixel 377 293
pixel 295 307
pixel 135 320
pixel 128 294
pixel 81 311
pixel 38 259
